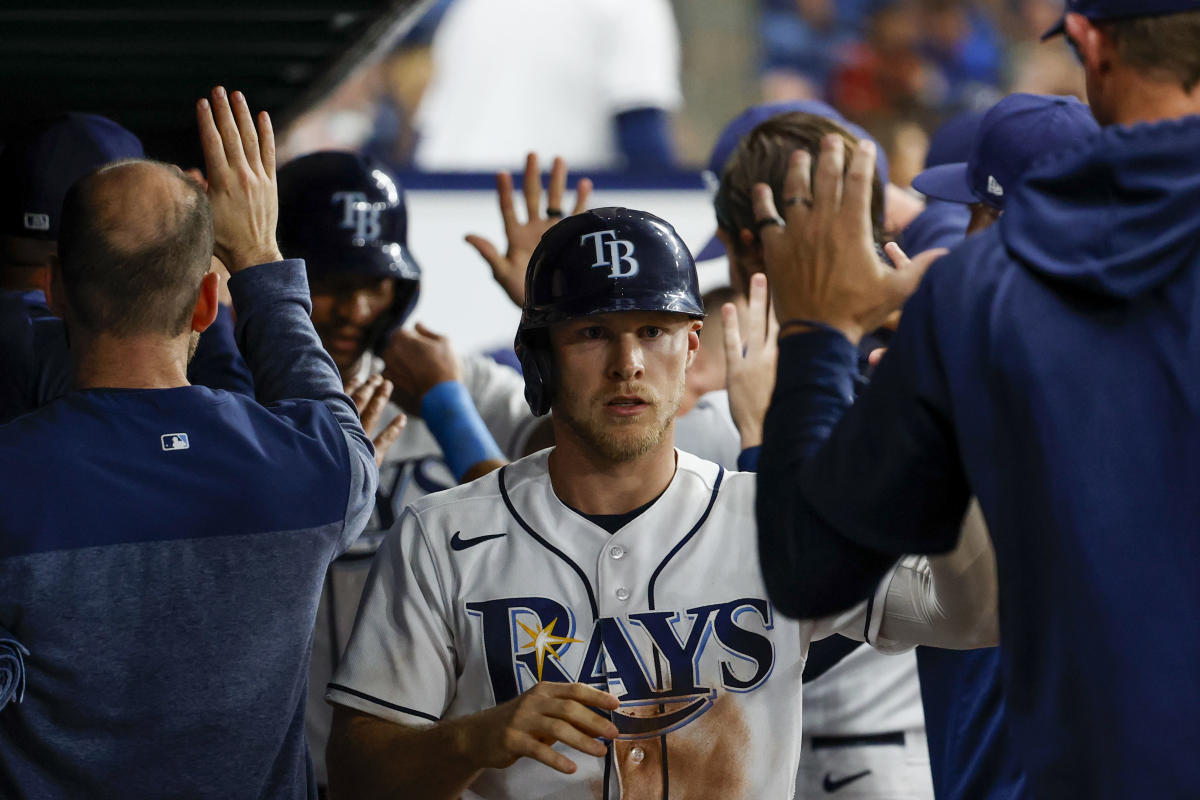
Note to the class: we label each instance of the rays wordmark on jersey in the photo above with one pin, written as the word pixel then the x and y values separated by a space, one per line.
pixel 650 660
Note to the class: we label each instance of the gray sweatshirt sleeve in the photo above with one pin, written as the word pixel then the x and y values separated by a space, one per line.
pixel 285 355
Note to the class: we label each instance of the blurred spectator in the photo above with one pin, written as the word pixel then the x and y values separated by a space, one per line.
pixel 884 74
pixel 967 51
pixel 590 80
pixel 801 43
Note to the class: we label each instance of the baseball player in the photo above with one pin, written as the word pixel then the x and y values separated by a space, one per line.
pixel 346 216
pixel 864 726
pixel 590 621
pixel 1048 366
pixel 971 753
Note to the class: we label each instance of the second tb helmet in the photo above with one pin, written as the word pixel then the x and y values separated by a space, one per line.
pixel 598 262
pixel 344 214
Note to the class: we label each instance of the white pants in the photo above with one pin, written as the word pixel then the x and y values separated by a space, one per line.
pixel 844 769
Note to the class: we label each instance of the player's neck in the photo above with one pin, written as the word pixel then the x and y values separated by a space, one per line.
pixel 592 484
pixel 1139 99
pixel 138 362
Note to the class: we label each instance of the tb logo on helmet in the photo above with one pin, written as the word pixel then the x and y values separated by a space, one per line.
pixel 359 215
pixel 613 253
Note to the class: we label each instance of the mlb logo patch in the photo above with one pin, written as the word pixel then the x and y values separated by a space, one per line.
pixel 37 222
pixel 175 441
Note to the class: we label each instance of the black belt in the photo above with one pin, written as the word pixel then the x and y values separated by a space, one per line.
pixel 829 742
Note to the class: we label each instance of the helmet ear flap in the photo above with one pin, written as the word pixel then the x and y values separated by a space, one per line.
pixel 538 369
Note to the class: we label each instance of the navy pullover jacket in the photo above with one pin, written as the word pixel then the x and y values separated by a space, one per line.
pixel 161 556
pixel 1051 367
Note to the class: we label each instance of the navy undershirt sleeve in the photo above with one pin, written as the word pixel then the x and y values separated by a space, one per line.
pixel 846 487
pixel 275 332
pixel 644 139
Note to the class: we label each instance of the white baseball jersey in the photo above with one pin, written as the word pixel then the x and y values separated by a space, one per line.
pixel 707 430
pixel 866 693
pixel 588 59
pixel 413 467
pixel 485 589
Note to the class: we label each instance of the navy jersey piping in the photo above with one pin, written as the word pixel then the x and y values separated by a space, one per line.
pixel 867 624
pixel 582 576
pixel 679 546
pixel 666 784
pixel 385 703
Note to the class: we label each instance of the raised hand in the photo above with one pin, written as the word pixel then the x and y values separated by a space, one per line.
pixel 239 157
pixel 370 397
pixel 528 726
pixel 750 367
pixel 821 260
pixel 416 361
pixel 509 269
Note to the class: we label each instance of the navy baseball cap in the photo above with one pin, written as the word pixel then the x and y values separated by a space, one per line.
pixel 1105 10
pixel 40 164
pixel 750 119
pixel 951 142
pixel 1011 136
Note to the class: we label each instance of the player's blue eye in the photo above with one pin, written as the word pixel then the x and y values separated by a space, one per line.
pixel 652 332
pixel 594 332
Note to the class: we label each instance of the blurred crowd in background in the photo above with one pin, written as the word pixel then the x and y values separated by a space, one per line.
pixel 645 85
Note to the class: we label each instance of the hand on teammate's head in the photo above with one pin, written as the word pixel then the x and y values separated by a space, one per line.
pixel 822 259
pixel 239 157
pixel 523 237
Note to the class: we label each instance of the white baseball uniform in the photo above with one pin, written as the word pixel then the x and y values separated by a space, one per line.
pixel 487 588
pixel 589 59
pixel 412 468
pixel 865 713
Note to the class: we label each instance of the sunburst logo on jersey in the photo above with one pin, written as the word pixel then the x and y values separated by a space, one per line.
pixel 543 641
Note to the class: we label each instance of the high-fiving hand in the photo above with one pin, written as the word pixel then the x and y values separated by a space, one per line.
pixel 750 367
pixel 821 259
pixel 239 159
pixel 509 269
pixel 370 397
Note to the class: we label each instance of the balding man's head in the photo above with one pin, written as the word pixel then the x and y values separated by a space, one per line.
pixel 135 243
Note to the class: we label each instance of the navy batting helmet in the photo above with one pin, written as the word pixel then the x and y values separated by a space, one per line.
pixel 344 214
pixel 597 262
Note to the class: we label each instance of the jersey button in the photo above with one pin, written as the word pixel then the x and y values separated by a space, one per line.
pixel 637 755
pixel 616 551
pixel 622 594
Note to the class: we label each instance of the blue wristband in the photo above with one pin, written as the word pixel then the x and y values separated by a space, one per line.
pixel 455 423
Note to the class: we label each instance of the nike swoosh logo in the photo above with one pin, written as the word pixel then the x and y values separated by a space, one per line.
pixel 459 543
pixel 831 786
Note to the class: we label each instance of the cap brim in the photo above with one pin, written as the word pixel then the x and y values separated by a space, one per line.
pixel 714 249
pixel 946 182
pixel 1059 28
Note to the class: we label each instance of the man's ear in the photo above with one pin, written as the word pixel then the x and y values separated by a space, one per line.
pixel 1095 47
pixel 56 294
pixel 744 260
pixel 693 340
pixel 206 304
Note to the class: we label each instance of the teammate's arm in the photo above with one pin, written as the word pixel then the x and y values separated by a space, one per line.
pixel 846 487
pixel 947 601
pixel 271 296
pixel 370 757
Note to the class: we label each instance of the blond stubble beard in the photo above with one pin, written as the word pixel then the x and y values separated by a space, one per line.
pixel 605 440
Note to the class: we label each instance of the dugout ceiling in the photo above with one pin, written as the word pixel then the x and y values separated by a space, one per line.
pixel 145 62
